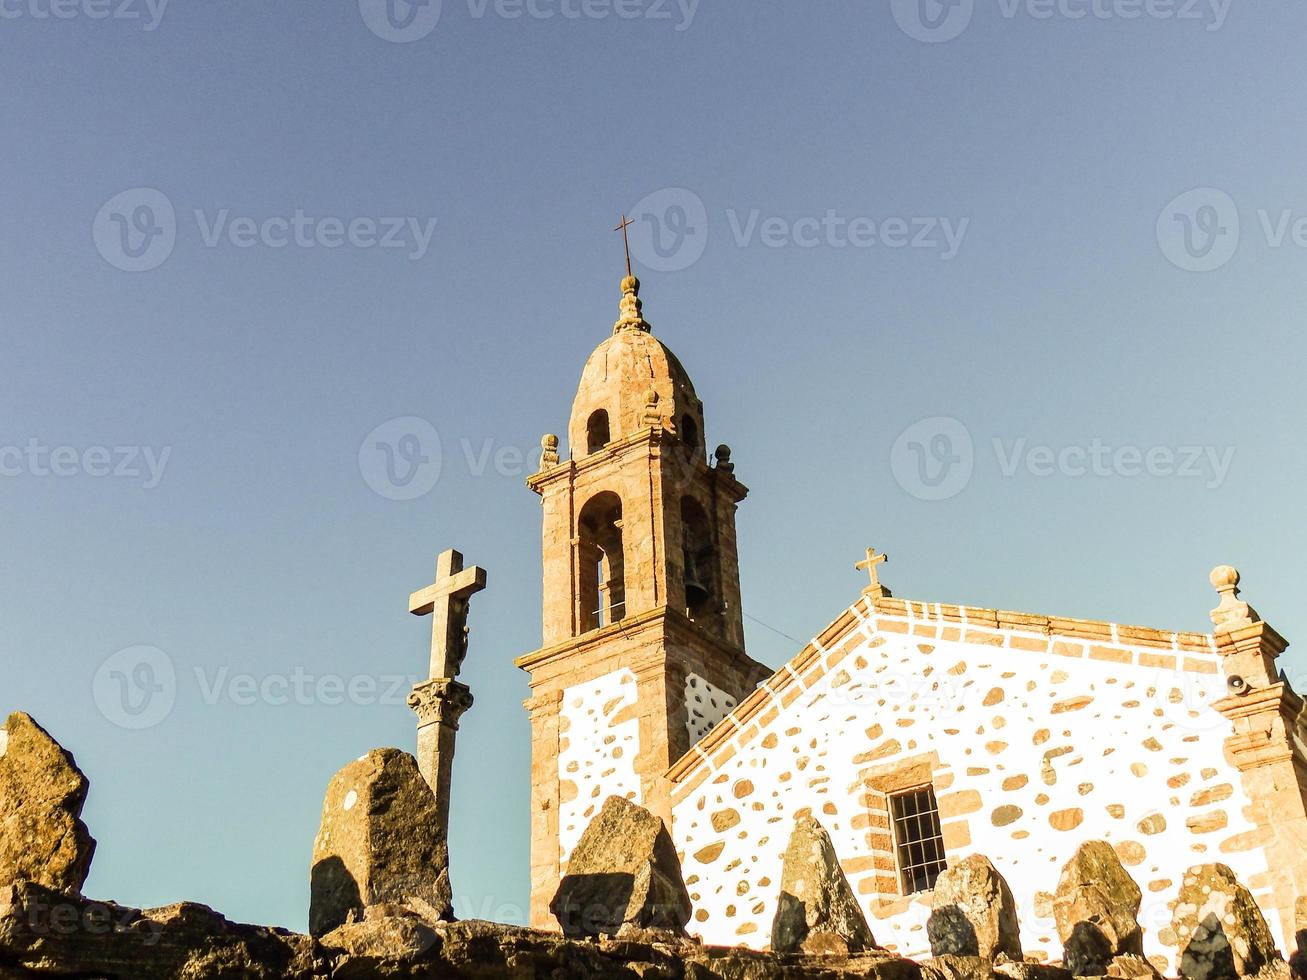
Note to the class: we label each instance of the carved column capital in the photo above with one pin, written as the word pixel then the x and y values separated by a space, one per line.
pixel 440 701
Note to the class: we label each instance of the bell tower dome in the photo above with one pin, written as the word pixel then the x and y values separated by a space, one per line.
pixel 643 634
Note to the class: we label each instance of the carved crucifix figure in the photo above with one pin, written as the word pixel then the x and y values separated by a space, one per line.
pixel 446 602
pixel 441 701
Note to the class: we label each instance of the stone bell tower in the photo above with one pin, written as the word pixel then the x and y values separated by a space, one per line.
pixel 643 647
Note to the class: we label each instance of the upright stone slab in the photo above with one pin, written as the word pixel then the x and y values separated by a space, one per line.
pixel 817 911
pixel 1096 909
pixel 1221 932
pixel 623 874
pixel 972 912
pixel 42 837
pixel 381 842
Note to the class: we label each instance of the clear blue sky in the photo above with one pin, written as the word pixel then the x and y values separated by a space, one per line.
pixel 1062 321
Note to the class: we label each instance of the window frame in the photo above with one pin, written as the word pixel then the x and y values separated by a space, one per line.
pixel 908 886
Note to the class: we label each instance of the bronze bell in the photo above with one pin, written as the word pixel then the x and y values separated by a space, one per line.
pixel 695 591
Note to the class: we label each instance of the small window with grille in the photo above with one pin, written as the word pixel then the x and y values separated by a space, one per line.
pixel 918 839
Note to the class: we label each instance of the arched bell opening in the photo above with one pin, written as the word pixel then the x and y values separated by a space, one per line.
pixel 598 432
pixel 699 564
pixel 603 568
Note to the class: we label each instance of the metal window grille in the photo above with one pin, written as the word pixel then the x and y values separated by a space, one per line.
pixel 918 838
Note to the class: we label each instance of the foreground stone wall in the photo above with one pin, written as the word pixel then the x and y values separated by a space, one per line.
pixel 1033 743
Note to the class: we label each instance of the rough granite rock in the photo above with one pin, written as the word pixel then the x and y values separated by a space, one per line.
pixel 1096 908
pixel 624 873
pixel 817 911
pixel 48 933
pixel 972 912
pixel 1221 932
pixel 1298 961
pixel 379 843
pixel 44 934
pixel 42 837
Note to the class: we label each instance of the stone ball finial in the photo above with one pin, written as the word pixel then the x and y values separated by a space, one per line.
pixel 549 450
pixel 1224 578
pixel 630 284
pixel 723 456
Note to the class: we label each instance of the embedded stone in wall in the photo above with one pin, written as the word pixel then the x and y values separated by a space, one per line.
pixel 380 843
pixel 42 837
pixel 973 913
pixel 817 911
pixel 1221 932
pixel 1096 909
pixel 624 875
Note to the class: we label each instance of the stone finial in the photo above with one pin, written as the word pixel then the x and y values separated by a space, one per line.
pixel 724 463
pixel 652 417
pixel 632 316
pixel 548 451
pixel 1230 613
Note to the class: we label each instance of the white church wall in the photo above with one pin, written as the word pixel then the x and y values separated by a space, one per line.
pixel 599 742
pixel 1034 745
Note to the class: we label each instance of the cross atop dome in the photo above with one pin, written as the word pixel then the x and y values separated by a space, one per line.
pixel 632 315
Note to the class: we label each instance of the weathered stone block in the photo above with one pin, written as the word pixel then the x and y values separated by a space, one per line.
pixel 1096 908
pixel 380 842
pixel 624 873
pixel 973 913
pixel 817 911
pixel 42 837
pixel 1221 931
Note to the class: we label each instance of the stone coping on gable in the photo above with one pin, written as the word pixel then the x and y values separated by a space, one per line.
pixel 1049 635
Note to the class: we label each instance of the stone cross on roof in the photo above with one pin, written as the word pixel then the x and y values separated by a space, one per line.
pixel 876 589
pixel 446 601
